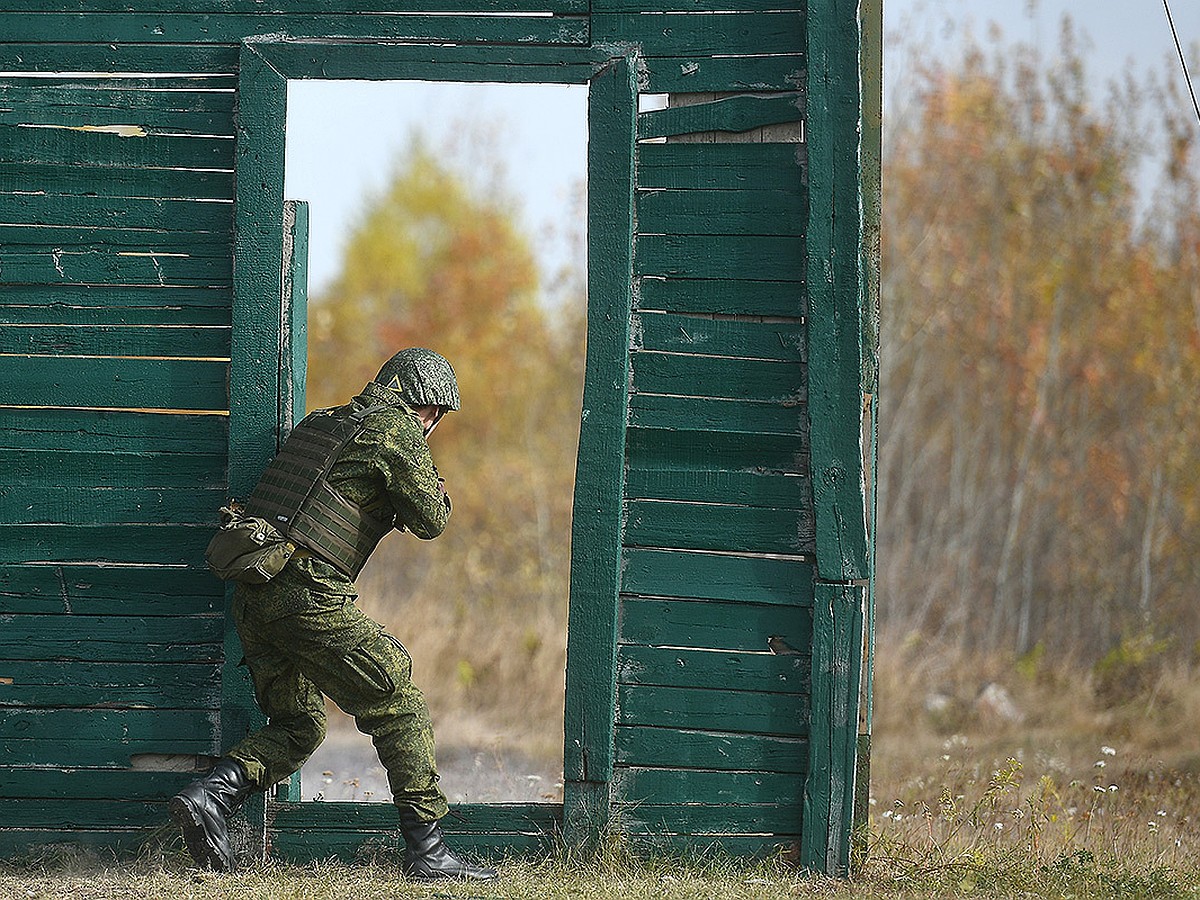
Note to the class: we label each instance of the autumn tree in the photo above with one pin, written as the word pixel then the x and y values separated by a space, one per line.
pixel 1041 349
pixel 438 259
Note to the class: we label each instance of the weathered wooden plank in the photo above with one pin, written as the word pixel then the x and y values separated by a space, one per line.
pixel 466 818
pixel 107 382
pixel 837 649
pixel 466 62
pixel 744 338
pixel 713 625
pixel 726 297
pixel 708 414
pixel 179 92
pixel 733 114
pixel 69 146
pixel 672 74
pixel 696 819
pixel 834 275
pixel 90 784
pixel 112 181
pixel 118 212
pixel 72 752
pixel 680 786
pixel 105 266
pixel 151 544
pixel 146 121
pixel 53 504
pixel 676 748
pixel 48 55
pixel 771 491
pixel 68 430
pixel 765 212
pixel 109 590
pixel 108 638
pixel 599 481
pixel 676 450
pixel 730 167
pixel 702 34
pixel 46 814
pixel 187 27
pixel 101 304
pixel 74 685
pixel 757 579
pixel 692 375
pixel 27 238
pixel 106 725
pixel 714 709
pixel 711 526
pixel 669 667
pixel 723 257
pixel 90 340
pixel 219 8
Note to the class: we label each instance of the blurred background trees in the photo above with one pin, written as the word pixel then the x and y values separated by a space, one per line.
pixel 438 259
pixel 1039 460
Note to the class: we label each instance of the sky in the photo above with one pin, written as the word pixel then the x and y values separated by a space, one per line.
pixel 343 136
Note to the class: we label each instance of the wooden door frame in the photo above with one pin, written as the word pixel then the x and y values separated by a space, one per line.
pixel 260 400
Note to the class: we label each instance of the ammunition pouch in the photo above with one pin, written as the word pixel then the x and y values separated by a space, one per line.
pixel 246 548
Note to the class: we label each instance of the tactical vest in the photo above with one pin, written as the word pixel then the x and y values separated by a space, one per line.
pixel 294 492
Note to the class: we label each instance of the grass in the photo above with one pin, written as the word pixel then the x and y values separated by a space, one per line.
pixel 1066 792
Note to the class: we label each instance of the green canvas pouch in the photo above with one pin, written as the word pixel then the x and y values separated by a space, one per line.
pixel 246 548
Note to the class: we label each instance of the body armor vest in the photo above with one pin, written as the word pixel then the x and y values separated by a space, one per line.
pixel 295 495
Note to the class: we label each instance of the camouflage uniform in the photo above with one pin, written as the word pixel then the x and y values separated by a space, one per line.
pixel 304 637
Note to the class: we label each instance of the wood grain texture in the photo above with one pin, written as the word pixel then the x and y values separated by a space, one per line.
pixel 675 450
pixel 111 382
pixel 176 27
pixel 734 114
pixel 721 257
pixel 712 625
pixel 178 341
pixel 716 414
pixel 726 167
pixel 726 296
pixel 829 793
pixel 744 338
pixel 688 34
pixel 833 275
pixel 157 545
pixel 661 786
pixel 90 784
pixel 217 60
pixel 596 528
pixel 112 638
pixel 116 181
pixel 711 211
pixel 694 375
pixel 711 750
pixel 712 526
pixel 724 708
pixel 671 667
pixel 670 74
pixel 758 579
pixel 56 684
pixel 753 489
pixel 109 590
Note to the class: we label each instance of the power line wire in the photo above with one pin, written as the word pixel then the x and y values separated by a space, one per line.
pixel 1182 60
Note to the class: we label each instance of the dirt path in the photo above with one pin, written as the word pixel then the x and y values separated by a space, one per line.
pixel 345 767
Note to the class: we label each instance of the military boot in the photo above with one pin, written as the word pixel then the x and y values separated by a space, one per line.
pixel 426 855
pixel 202 810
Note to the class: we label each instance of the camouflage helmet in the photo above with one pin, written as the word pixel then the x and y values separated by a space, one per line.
pixel 421 377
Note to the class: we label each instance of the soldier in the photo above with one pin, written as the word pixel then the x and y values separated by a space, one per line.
pixel 344 478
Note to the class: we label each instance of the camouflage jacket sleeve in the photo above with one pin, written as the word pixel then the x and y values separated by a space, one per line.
pixel 416 493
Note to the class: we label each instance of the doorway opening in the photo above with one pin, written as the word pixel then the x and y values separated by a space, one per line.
pixel 453 216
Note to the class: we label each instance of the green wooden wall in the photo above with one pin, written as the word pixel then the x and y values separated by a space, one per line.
pixel 737 500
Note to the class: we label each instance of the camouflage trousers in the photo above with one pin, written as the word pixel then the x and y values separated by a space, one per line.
pixel 330 647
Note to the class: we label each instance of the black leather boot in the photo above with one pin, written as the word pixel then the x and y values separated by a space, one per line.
pixel 426 855
pixel 202 809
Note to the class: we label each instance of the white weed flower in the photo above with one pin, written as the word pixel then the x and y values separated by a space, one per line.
pixel 1108 751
